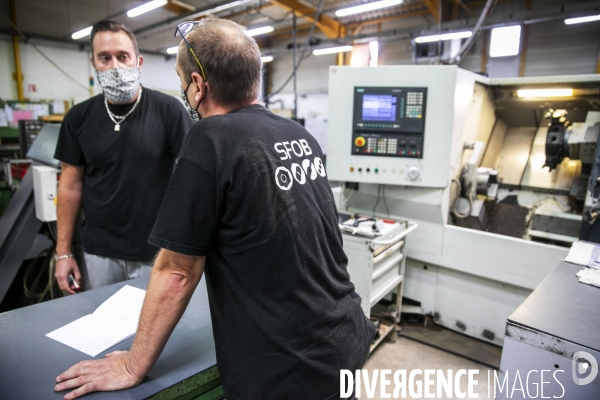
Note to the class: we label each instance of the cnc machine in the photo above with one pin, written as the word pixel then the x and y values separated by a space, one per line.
pixel 496 180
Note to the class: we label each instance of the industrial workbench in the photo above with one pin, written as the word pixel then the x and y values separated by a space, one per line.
pixel 30 361
pixel 560 318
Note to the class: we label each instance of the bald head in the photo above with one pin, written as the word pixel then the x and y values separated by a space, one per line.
pixel 230 58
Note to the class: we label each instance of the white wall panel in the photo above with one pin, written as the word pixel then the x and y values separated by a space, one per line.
pixel 559 49
pixel 395 52
pixel 312 77
pixel 472 61
pixel 157 72
pixel 49 82
pixel 8 86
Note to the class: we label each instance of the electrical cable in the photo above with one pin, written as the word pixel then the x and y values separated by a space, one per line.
pixel 65 73
pixel 54 236
pixel 358 221
pixel 378 197
pixel 49 265
pixel 385 202
pixel 485 14
pixel 345 200
pixel 302 56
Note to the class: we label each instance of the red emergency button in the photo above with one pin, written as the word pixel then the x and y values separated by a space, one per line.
pixel 359 141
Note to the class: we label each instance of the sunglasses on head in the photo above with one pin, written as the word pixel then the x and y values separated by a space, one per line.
pixel 183 29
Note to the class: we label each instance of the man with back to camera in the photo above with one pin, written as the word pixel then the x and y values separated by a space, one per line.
pixel 249 205
pixel 117 150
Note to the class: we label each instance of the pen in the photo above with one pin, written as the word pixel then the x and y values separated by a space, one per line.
pixel 73 282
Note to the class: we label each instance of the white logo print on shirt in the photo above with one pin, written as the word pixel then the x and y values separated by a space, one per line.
pixel 284 178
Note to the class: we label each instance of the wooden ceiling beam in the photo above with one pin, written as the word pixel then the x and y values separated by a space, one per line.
pixel 178 7
pixel 329 26
pixel 390 18
pixel 464 7
pixel 434 9
pixel 240 13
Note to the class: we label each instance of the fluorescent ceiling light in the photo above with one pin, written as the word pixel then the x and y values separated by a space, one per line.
pixel 219 8
pixel 571 21
pixel 144 8
pixel 266 59
pixel 259 31
pixel 82 33
pixel 545 93
pixel 172 50
pixel 444 36
pixel 330 50
pixel 367 7
pixel 228 5
pixel 374 51
pixel 505 41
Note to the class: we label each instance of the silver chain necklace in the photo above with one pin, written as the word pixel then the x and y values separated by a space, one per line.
pixel 117 119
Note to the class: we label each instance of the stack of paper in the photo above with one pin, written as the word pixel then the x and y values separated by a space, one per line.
pixel 114 321
pixel 584 253
pixel 589 276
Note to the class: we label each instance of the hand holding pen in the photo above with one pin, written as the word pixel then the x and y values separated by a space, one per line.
pixel 74 283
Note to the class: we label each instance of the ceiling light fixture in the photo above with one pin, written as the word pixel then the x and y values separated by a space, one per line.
pixel 591 18
pixel 331 50
pixel 82 33
pixel 228 5
pixel 367 7
pixel 528 93
pixel 172 50
pixel 266 59
pixel 144 8
pixel 220 8
pixel 259 31
pixel 505 41
pixel 444 36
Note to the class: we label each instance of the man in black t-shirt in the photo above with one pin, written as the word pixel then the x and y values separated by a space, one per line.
pixel 117 150
pixel 249 206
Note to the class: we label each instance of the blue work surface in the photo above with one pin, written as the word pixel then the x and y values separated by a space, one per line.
pixel 30 361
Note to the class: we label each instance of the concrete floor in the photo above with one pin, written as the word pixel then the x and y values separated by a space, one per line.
pixel 454 342
pixel 409 355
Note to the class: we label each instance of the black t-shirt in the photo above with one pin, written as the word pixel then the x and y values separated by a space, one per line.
pixel 250 192
pixel 126 172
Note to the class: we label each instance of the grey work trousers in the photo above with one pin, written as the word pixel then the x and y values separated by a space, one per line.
pixel 104 271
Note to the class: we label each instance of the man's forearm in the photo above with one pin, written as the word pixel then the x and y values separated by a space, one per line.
pixel 67 213
pixel 169 292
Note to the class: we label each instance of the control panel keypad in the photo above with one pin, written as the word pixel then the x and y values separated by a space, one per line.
pixel 389 121
pixel 414 105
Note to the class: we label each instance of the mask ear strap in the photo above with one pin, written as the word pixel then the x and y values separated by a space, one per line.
pixel 198 105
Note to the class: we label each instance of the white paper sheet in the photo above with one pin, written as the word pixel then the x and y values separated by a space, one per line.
pixel 3 118
pixel 38 110
pixel 113 321
pixel 58 107
pixel 9 115
pixel 589 276
pixel 584 253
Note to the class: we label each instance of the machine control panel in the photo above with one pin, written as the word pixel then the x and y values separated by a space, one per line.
pixel 389 121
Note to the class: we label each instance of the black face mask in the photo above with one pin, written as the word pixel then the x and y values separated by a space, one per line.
pixel 193 112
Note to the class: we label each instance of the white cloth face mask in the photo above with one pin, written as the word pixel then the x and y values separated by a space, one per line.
pixel 120 85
